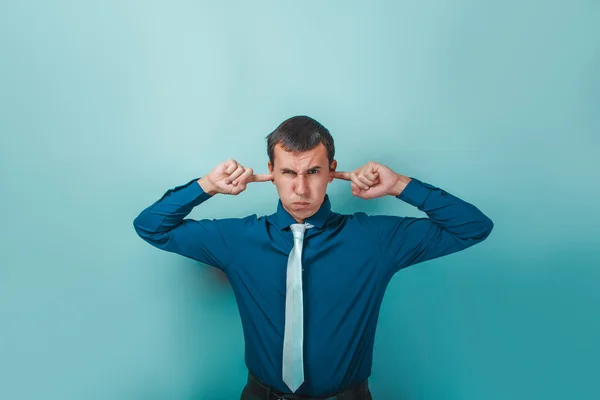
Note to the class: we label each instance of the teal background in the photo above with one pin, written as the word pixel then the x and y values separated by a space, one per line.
pixel 106 105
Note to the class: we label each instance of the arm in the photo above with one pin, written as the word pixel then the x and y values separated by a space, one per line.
pixel 452 225
pixel 163 225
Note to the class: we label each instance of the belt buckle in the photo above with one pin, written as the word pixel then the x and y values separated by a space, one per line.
pixel 283 396
pixel 269 393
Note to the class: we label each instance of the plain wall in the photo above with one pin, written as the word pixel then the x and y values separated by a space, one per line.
pixel 105 105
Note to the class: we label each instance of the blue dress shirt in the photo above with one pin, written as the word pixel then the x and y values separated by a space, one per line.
pixel 348 261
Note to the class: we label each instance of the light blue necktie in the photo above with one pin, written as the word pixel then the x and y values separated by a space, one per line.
pixel 293 366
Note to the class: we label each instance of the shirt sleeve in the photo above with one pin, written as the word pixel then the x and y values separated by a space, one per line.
pixel 164 226
pixel 451 225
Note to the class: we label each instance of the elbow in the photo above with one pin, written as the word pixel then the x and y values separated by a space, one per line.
pixel 149 235
pixel 138 226
pixel 487 226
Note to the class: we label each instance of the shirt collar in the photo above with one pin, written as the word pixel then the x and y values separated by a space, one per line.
pixel 282 219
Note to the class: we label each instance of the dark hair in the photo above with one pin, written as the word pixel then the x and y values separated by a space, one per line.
pixel 298 134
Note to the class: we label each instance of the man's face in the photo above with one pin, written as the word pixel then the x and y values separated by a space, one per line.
pixel 301 179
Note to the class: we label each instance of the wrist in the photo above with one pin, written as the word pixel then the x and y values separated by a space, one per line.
pixel 401 183
pixel 207 186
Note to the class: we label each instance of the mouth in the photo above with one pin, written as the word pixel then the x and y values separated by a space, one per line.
pixel 301 203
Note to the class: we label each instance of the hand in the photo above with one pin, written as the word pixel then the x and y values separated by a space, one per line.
pixel 230 177
pixel 374 180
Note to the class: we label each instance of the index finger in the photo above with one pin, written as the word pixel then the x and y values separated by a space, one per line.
pixel 342 175
pixel 261 178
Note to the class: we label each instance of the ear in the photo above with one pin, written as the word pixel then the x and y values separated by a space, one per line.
pixel 270 166
pixel 332 168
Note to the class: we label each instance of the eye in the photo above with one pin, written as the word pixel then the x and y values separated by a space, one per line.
pixel 313 171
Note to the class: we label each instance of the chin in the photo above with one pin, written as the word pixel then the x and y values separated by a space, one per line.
pixel 307 213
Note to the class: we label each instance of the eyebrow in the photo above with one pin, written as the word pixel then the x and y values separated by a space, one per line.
pixel 291 170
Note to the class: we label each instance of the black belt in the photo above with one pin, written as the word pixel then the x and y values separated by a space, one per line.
pixel 265 392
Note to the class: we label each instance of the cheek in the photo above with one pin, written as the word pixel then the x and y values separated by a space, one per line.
pixel 283 185
pixel 323 181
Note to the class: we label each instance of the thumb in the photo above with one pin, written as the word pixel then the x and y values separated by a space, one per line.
pixel 227 167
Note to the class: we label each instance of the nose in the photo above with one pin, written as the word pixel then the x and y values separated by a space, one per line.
pixel 301 185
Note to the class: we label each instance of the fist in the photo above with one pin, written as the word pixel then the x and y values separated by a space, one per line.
pixel 230 177
pixel 374 180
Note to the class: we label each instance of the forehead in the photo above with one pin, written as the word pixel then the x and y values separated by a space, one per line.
pixel 313 157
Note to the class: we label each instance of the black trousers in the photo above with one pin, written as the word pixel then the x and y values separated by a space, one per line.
pixel 256 390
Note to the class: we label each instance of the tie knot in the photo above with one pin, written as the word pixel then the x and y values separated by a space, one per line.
pixel 299 229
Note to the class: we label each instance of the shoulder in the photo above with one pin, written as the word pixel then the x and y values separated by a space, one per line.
pixel 253 221
pixel 236 223
pixel 366 221
pixel 357 218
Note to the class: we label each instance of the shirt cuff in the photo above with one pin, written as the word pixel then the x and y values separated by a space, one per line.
pixel 416 192
pixel 191 191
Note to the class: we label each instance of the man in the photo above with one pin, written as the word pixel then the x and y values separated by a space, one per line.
pixel 308 281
